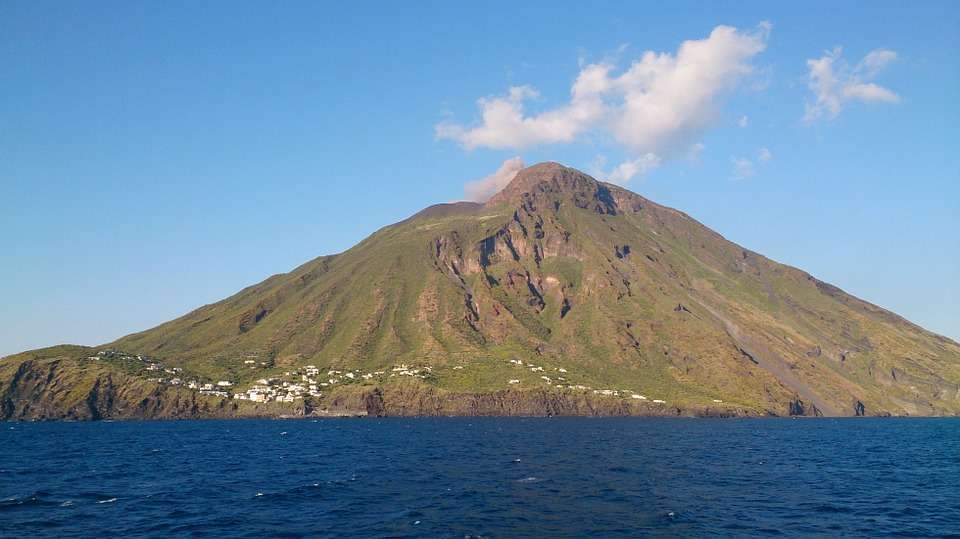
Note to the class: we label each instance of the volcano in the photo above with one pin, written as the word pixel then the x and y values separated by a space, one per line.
pixel 561 295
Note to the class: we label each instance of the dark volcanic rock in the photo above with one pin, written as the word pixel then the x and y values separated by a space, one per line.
pixel 796 407
pixel 859 409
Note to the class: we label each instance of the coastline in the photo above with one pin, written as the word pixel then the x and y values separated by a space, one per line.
pixel 383 402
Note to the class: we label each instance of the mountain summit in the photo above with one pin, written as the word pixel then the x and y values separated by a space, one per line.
pixel 553 176
pixel 560 295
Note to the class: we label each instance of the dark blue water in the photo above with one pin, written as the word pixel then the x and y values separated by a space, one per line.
pixel 482 477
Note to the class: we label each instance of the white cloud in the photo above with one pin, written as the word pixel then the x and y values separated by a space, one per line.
pixel 833 83
pixel 505 126
pixel 693 153
pixel 874 61
pixel 743 121
pixel 659 105
pixel 484 188
pixel 869 92
pixel 625 171
pixel 742 167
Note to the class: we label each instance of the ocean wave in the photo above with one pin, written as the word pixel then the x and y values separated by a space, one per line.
pixel 31 500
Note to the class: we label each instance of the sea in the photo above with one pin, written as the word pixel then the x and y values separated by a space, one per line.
pixel 482 477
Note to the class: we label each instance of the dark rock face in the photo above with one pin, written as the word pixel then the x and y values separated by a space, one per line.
pixel 749 356
pixel 413 401
pixel 798 408
pixel 859 409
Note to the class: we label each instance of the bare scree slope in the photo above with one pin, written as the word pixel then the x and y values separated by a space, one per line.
pixel 561 295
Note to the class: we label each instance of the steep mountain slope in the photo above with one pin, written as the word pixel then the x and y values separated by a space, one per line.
pixel 563 294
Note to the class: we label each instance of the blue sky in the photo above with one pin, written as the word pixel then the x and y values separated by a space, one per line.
pixel 156 156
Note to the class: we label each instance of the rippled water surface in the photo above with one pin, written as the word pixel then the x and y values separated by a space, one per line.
pixel 482 478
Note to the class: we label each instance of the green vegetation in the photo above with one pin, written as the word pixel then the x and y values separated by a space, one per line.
pixel 624 296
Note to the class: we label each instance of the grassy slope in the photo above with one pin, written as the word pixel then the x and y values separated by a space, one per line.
pixel 546 278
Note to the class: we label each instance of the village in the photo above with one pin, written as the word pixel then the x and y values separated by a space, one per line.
pixel 176 376
pixel 307 381
pixel 561 382
pixel 312 381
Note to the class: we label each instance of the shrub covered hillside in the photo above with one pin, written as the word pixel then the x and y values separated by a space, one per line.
pixel 561 295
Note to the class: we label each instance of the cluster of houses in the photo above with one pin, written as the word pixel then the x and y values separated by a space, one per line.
pixel 175 374
pixel 278 390
pixel 292 385
pixel 118 355
pixel 561 382
pixel 310 381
